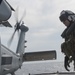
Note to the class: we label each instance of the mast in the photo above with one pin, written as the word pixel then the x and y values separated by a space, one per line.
pixel 21 42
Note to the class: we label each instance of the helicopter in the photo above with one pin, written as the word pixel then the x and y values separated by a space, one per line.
pixel 12 61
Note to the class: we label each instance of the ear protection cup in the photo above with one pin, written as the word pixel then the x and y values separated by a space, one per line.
pixel 69 18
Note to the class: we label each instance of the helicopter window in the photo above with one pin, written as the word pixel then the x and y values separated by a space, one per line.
pixel 6 60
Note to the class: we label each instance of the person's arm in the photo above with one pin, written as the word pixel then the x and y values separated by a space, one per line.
pixel 70 29
pixel 63 35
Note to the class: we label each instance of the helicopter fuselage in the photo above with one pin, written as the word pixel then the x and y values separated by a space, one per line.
pixel 10 61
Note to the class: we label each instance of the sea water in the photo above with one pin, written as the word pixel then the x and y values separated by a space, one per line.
pixel 42 67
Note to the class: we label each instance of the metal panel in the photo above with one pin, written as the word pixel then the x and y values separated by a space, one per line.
pixel 6 61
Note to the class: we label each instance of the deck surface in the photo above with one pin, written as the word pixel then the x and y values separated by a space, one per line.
pixel 62 73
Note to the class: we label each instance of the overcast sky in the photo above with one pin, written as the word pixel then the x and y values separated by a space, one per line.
pixel 42 18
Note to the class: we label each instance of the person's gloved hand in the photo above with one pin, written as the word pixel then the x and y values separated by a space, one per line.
pixel 66 63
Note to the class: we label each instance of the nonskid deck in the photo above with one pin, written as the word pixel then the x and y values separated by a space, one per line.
pixel 57 73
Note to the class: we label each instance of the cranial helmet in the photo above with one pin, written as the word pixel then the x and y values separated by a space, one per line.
pixel 67 15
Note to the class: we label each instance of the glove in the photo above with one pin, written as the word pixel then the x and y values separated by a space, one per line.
pixel 66 63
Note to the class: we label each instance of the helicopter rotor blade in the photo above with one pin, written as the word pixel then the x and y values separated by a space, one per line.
pixel 16 14
pixel 24 14
pixel 17 25
pixel 18 33
pixel 10 41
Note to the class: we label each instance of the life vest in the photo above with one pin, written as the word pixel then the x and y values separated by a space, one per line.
pixel 68 47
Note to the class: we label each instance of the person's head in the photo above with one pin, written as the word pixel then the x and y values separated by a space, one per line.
pixel 67 17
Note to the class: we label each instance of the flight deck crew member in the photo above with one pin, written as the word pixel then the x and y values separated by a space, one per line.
pixel 68 46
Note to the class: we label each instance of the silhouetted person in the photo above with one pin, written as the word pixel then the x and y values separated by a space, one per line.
pixel 68 46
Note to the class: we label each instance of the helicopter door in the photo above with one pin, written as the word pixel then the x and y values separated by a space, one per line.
pixel 0 56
